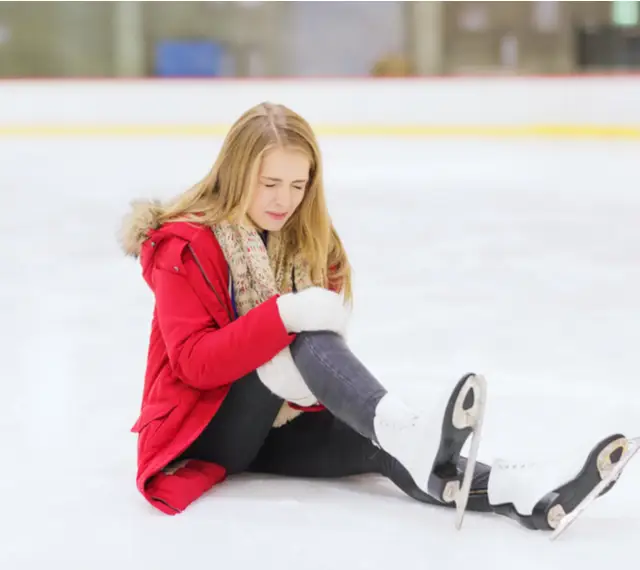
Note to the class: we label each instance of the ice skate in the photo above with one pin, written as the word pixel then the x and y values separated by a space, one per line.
pixel 550 496
pixel 428 445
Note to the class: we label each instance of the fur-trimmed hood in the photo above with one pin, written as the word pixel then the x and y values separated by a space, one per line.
pixel 142 218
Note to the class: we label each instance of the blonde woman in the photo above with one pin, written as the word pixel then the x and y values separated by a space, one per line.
pixel 248 369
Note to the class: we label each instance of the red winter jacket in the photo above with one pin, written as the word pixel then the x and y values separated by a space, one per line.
pixel 197 349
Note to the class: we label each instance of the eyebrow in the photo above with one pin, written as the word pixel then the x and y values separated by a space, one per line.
pixel 280 179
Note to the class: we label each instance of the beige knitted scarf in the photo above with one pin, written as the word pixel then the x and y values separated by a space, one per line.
pixel 259 272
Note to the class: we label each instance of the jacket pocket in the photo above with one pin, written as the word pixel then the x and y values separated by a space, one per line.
pixel 151 413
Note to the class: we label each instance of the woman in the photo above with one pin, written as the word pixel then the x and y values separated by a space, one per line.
pixel 248 369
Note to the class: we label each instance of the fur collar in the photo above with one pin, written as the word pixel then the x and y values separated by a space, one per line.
pixel 136 225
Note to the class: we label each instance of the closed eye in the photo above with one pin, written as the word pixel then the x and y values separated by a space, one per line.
pixel 270 182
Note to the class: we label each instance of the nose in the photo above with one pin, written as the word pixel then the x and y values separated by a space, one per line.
pixel 283 197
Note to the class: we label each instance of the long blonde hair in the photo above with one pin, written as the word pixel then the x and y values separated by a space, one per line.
pixel 226 191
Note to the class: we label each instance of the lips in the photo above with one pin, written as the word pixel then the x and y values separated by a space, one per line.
pixel 278 217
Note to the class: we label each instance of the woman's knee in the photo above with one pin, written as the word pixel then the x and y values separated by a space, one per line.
pixel 317 344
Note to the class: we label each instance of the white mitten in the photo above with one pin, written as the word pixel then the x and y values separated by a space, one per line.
pixel 282 377
pixel 314 309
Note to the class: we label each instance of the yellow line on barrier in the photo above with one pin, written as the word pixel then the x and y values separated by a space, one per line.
pixel 355 130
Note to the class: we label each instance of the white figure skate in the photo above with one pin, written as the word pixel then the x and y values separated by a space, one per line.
pixel 551 496
pixel 428 444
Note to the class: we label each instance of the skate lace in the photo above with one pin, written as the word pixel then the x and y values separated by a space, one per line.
pixel 400 424
pixel 513 465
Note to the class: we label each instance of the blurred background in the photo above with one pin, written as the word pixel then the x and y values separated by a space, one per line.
pixel 298 39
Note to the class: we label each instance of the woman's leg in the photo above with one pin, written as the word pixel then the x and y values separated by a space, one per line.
pixel 318 445
pixel 236 433
pixel 538 496
pixel 427 444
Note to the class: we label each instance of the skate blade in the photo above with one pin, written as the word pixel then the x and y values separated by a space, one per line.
pixel 462 496
pixel 616 470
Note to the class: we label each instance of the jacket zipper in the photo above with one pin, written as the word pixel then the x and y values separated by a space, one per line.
pixel 195 257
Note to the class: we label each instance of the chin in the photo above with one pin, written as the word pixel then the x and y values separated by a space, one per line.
pixel 273 225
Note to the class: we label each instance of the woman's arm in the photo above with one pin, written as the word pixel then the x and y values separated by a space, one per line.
pixel 204 355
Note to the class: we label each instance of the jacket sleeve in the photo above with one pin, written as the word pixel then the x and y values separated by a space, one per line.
pixel 204 355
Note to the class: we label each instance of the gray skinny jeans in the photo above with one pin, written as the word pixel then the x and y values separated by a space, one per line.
pixel 338 379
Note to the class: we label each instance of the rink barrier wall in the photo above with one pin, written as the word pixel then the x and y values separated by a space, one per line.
pixel 516 107
pixel 353 130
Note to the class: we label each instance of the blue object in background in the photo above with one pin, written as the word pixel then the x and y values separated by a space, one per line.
pixel 188 58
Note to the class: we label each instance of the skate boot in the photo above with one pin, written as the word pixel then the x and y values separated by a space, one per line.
pixel 540 496
pixel 428 444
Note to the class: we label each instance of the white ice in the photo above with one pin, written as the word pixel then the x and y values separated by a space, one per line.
pixel 517 259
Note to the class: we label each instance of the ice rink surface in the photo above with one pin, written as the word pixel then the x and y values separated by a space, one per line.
pixel 517 259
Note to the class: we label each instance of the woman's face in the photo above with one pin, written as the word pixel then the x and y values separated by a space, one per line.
pixel 282 181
